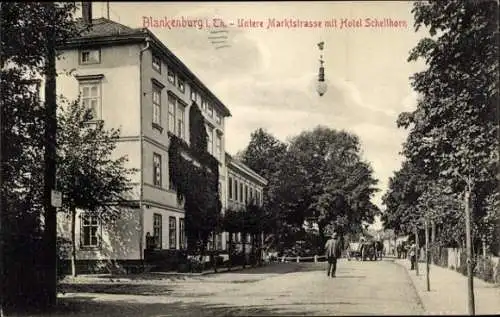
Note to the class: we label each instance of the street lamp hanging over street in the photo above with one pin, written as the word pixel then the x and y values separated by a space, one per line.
pixel 321 86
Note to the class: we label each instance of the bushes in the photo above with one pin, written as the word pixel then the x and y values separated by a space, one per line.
pixel 63 253
pixel 484 269
pixel 439 256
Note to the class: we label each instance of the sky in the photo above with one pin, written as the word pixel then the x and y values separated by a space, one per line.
pixel 266 77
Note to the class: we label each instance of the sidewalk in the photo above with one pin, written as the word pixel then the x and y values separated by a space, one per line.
pixel 448 291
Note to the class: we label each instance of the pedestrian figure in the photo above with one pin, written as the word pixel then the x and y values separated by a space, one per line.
pixel 413 257
pixel 404 250
pixel 333 251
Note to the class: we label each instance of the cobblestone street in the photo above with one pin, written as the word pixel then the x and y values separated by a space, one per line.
pixel 361 288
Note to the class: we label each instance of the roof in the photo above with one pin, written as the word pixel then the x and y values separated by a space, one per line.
pixel 106 32
pixel 233 162
pixel 104 27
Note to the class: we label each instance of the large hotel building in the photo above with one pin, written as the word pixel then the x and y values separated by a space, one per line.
pixel 133 82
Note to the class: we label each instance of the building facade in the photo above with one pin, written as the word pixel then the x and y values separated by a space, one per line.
pixel 243 185
pixel 134 83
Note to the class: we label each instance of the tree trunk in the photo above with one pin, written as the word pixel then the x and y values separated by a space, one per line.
pixel 244 240
pixel 230 251
pixel 417 251
pixel 433 232
pixel 321 229
pixel 427 256
pixel 470 277
pixel 214 252
pixel 73 241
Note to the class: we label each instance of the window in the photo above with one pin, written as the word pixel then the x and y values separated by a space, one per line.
pixel 230 188
pixel 156 107
pixel 171 114
pixel 203 105
pixel 91 98
pixel 257 198
pixel 241 192
pixel 182 234
pixel 90 56
pixel 171 76
pixel 251 194
pixel 210 132
pixel 172 232
pixel 157 169
pixel 180 121
pixel 218 146
pixel 198 99
pixel 235 190
pixel 218 239
pixel 157 64
pixel 90 231
pixel 157 230
pixel 193 95
pixel 210 109
pixel 218 117
pixel 246 193
pixel 181 84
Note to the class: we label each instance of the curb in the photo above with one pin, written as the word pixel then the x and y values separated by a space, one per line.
pixel 420 302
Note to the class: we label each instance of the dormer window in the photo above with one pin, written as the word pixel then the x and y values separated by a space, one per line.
pixel 92 56
pixel 181 85
pixel 171 76
pixel 157 64
pixel 218 117
pixel 210 109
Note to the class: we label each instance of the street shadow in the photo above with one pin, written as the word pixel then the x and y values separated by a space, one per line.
pixel 150 276
pixel 88 306
pixel 270 268
pixel 118 289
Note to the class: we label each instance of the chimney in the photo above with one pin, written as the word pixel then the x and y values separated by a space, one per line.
pixel 87 12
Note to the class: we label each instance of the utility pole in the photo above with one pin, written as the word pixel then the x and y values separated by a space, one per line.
pixel 50 220
pixel 468 245
pixel 427 254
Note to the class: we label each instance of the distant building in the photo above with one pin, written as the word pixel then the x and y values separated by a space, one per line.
pixel 243 185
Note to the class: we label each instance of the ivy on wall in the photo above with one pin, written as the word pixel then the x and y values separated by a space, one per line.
pixel 197 184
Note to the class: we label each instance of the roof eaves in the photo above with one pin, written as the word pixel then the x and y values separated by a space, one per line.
pixel 191 76
pixel 103 40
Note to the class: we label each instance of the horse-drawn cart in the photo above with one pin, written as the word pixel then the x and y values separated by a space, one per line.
pixel 362 251
pixel 354 251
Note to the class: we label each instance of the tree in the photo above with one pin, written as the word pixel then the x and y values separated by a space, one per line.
pixel 337 185
pixel 454 130
pixel 23 53
pixel 265 154
pixel 88 175
pixel 405 188
pixel 231 224
pixel 197 185
pixel 319 176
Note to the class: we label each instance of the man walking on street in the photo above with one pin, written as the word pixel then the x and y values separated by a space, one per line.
pixel 333 250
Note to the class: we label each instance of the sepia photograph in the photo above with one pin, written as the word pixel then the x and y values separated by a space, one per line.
pixel 249 158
